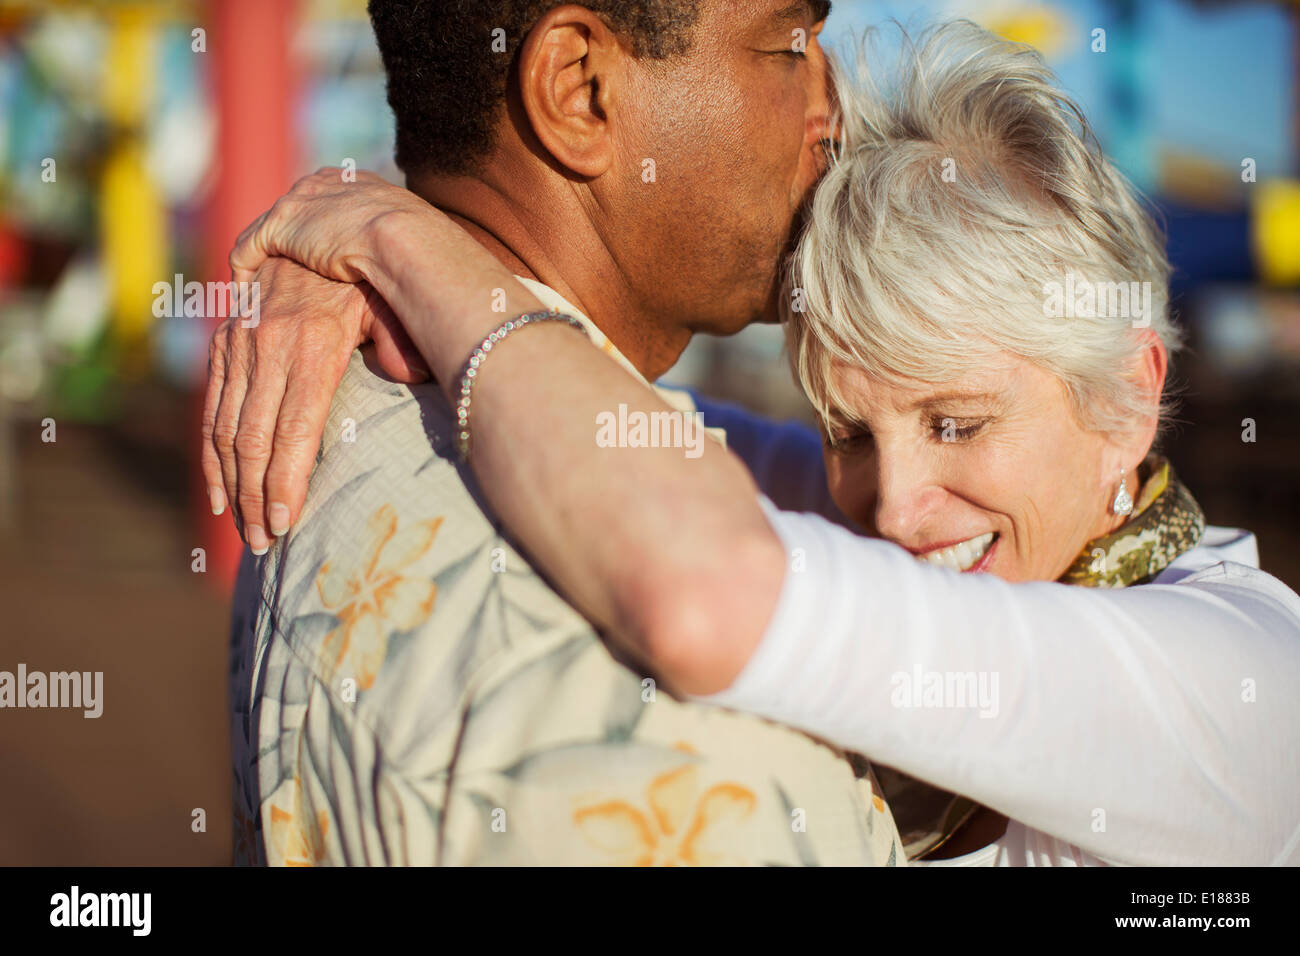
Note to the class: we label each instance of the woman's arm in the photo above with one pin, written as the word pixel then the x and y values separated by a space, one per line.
pixel 1153 725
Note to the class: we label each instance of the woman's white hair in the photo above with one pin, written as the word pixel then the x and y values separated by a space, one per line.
pixel 956 204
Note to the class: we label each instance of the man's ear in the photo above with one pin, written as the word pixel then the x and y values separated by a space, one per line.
pixel 569 73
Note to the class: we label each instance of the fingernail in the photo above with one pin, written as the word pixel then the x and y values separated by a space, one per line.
pixel 256 538
pixel 279 515
pixel 218 499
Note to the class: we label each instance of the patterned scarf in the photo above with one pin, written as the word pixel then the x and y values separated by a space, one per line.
pixel 1166 522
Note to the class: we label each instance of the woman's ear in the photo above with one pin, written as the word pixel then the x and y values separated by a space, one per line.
pixel 1130 446
pixel 569 74
pixel 1152 365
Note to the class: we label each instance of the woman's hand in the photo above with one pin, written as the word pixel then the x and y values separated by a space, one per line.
pixel 440 282
pixel 329 222
pixel 270 386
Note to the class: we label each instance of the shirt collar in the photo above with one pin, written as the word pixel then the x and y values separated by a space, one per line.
pixel 553 300
pixel 678 398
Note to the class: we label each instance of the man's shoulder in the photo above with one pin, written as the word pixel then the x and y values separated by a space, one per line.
pixel 401 637
pixel 368 407
pixel 398 587
pixel 388 457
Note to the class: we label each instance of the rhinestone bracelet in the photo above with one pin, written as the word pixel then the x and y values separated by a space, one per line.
pixel 477 357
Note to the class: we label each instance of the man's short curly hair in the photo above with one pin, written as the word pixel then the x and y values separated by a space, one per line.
pixel 446 84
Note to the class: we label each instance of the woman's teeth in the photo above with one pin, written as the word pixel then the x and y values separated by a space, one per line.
pixel 961 556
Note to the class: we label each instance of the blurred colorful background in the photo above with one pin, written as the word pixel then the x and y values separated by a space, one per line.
pixel 138 137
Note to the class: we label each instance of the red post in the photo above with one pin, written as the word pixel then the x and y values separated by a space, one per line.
pixel 254 87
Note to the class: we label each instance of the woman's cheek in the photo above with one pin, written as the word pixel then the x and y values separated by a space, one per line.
pixel 851 485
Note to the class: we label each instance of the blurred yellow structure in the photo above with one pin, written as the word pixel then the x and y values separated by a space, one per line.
pixel 133 217
pixel 1276 234
pixel 1039 25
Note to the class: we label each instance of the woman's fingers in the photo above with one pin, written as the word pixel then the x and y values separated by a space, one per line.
pixel 225 423
pixel 299 426
pixel 278 382
pixel 257 454
pixel 252 450
pixel 276 231
pixel 256 243
pixel 324 222
pixel 247 255
pixel 208 459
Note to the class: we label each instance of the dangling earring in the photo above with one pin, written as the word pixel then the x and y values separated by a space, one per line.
pixel 1123 503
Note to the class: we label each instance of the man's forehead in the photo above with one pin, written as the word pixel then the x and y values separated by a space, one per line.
pixel 782 12
pixel 815 10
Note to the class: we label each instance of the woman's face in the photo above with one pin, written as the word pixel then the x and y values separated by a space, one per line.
pixel 994 474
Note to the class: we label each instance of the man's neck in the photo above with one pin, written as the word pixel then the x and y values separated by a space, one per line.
pixel 554 243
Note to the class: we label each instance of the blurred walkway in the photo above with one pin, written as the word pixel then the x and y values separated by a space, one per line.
pixel 96 576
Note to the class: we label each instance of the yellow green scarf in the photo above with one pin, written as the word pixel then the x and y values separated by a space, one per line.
pixel 1166 522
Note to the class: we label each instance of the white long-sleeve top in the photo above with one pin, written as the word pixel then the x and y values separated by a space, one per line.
pixel 1155 725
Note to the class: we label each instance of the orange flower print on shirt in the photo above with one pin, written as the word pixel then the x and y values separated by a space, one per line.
pixel 372 598
pixel 297 839
pixel 678 830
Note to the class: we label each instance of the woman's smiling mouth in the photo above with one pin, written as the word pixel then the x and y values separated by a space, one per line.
pixel 973 554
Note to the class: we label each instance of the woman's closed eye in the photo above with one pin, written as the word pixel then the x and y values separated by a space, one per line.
pixel 948 429
pixel 848 442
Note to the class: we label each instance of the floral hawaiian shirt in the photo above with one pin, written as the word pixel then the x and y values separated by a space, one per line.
pixel 406 689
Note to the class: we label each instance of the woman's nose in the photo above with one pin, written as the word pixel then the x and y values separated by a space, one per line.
pixel 906 494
